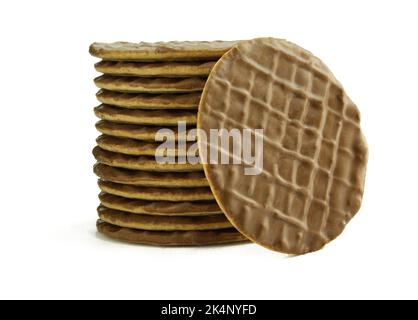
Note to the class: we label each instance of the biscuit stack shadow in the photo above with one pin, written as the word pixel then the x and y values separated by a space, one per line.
pixel 146 87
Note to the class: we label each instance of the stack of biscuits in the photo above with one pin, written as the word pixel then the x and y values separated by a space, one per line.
pixel 146 87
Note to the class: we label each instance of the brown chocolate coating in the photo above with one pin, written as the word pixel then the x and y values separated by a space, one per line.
pixel 315 154
pixel 162 223
pixel 145 117
pixel 157 51
pixel 145 163
pixel 139 148
pixel 170 238
pixel 133 131
pixel 160 208
pixel 156 194
pixel 156 69
pixel 150 85
pixel 151 179
pixel 165 101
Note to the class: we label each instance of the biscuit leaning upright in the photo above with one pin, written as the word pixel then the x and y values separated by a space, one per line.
pixel 315 154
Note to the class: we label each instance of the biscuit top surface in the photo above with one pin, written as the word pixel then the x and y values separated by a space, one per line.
pixel 312 173
pixel 172 50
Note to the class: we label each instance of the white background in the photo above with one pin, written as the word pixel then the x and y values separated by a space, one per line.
pixel 48 194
